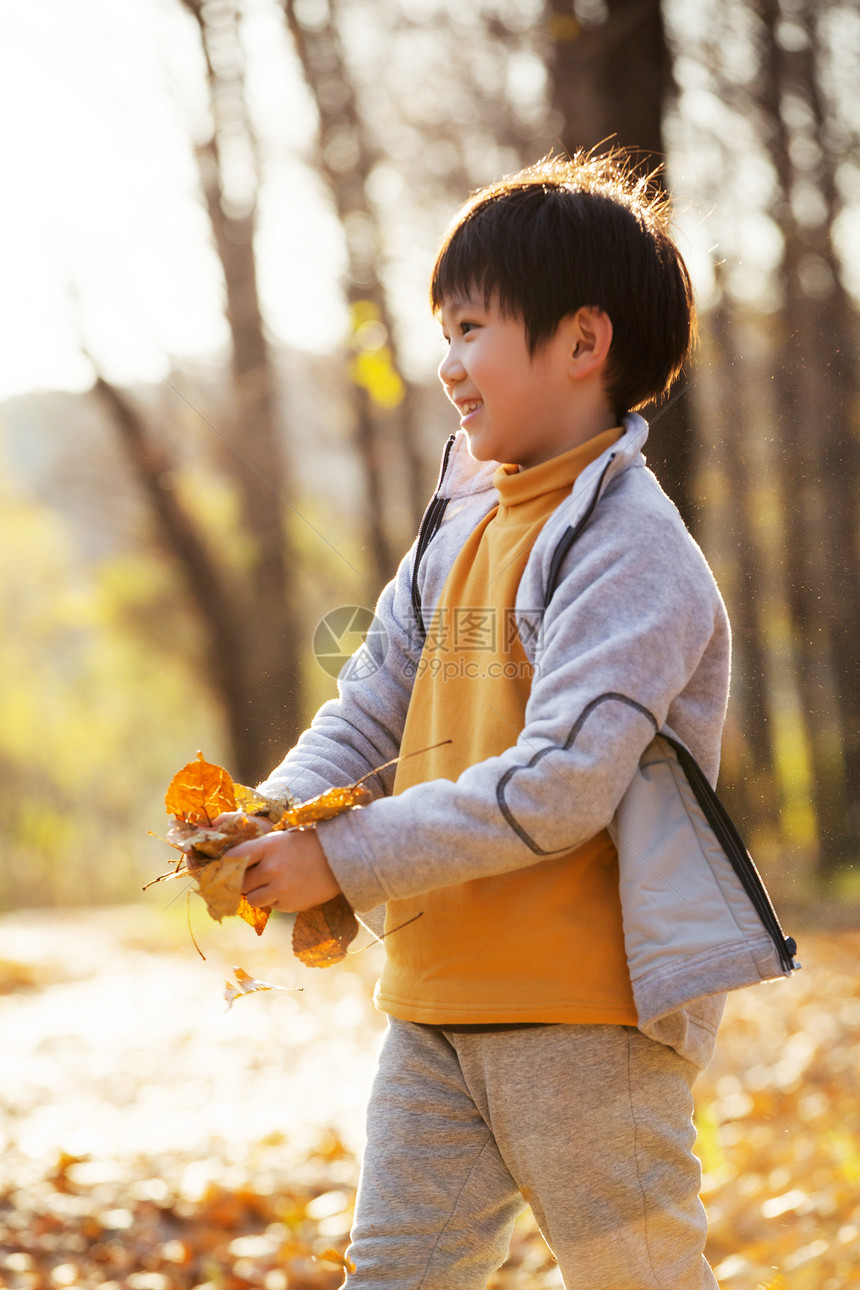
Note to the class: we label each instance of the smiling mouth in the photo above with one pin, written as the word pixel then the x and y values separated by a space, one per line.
pixel 469 406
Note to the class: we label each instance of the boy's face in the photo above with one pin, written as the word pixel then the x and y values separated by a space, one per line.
pixel 514 407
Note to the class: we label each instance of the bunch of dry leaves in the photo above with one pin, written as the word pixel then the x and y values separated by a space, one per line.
pixel 211 815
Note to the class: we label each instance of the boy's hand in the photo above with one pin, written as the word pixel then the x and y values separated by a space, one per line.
pixel 286 871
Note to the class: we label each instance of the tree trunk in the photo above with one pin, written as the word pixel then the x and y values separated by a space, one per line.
pixel 252 657
pixel 385 433
pixel 815 382
pixel 206 585
pixel 748 763
pixel 610 82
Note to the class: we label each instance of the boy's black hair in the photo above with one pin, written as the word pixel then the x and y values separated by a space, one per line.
pixel 572 232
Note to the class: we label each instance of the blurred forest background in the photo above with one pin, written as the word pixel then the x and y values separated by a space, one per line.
pixel 219 417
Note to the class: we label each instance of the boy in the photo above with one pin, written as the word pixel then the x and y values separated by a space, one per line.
pixel 553 615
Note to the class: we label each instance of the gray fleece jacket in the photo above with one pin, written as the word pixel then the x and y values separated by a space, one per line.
pixel 629 640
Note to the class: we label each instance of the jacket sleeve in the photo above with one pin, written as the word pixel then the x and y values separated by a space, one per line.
pixel 626 631
pixel 362 727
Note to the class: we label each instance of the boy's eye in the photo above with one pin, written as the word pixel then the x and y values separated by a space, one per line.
pixel 460 329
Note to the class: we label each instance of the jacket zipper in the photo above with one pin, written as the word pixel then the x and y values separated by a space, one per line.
pixel 570 535
pixel 427 530
pixel 718 817
pixel 738 855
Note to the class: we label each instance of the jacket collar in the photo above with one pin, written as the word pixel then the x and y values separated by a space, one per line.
pixel 462 476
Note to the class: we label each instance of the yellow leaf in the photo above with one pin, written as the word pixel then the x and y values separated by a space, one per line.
pixel 244 983
pixel 325 806
pixel 376 373
pixel 332 1256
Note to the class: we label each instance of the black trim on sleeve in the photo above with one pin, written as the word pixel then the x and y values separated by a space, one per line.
pixel 565 747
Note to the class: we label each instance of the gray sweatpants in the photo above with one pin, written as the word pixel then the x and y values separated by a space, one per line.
pixel 590 1125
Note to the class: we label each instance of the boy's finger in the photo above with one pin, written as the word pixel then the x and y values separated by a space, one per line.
pixel 257 898
pixel 249 850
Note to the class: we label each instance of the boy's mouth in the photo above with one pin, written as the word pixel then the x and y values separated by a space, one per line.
pixel 468 406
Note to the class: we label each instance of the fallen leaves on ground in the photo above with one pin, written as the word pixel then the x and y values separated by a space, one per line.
pixel 149 1237
pixel 151 1140
pixel 227 1156
pixel 779 1127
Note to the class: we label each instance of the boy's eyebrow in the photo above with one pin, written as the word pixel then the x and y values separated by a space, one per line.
pixel 472 301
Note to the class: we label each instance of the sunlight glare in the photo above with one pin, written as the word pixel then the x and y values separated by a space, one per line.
pixel 104 242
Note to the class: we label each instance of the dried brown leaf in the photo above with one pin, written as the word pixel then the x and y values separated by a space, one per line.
pixel 322 934
pixel 219 877
pixel 219 883
pixel 254 803
pixel 211 843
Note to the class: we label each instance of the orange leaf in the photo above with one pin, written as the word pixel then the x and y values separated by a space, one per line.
pixel 321 934
pixel 256 918
pixel 200 791
pixel 325 806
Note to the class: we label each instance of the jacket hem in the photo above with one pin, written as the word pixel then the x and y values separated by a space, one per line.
pixel 714 972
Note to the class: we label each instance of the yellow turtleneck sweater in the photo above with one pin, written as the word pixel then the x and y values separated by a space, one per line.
pixel 544 943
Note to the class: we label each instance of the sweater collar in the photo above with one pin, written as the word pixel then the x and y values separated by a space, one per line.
pixel 517 487
pixel 463 476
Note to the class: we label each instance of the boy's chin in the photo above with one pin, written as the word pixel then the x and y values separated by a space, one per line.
pixel 477 451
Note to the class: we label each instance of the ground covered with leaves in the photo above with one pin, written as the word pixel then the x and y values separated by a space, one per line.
pixel 152 1139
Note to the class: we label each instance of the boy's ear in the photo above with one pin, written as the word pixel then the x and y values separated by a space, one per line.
pixel 589 338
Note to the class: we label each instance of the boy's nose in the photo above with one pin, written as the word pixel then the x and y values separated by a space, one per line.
pixel 451 370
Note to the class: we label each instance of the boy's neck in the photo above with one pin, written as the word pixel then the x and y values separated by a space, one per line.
pixel 586 424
